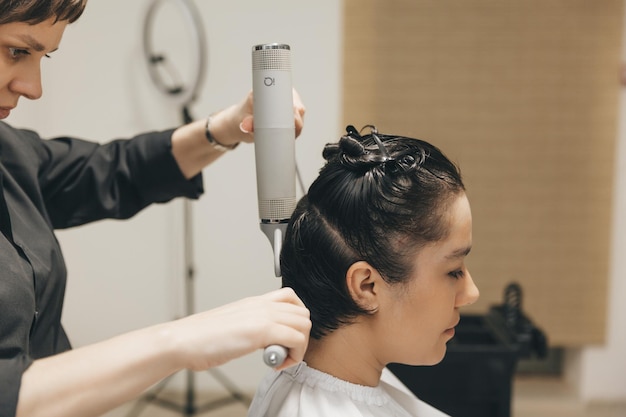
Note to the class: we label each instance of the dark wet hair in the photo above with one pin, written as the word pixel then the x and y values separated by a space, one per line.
pixel 37 11
pixel 379 198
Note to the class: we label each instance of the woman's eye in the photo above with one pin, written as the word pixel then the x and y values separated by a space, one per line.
pixel 457 274
pixel 17 53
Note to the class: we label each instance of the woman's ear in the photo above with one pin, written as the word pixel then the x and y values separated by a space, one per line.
pixel 364 284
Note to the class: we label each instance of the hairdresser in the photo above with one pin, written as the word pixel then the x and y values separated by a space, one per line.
pixel 65 182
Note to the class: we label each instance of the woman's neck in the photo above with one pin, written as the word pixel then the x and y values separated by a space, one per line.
pixel 345 354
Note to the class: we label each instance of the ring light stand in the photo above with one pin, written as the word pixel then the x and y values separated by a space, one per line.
pixel 184 96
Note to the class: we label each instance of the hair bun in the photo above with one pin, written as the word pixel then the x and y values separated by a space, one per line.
pixel 331 150
pixel 348 147
pixel 405 163
pixel 351 147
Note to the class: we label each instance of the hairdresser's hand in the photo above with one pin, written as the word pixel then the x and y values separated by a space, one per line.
pixel 235 123
pixel 230 126
pixel 217 336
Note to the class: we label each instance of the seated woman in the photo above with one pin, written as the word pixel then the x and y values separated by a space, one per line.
pixel 376 251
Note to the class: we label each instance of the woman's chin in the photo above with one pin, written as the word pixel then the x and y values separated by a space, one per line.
pixel 427 360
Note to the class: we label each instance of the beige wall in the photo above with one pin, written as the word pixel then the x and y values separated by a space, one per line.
pixel 523 95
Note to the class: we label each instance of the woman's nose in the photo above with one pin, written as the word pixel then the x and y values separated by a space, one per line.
pixel 28 84
pixel 469 293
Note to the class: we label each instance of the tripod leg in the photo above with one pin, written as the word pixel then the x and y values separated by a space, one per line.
pixel 141 403
pixel 230 387
pixel 190 404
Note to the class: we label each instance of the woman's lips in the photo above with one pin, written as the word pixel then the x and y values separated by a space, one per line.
pixel 4 112
pixel 450 332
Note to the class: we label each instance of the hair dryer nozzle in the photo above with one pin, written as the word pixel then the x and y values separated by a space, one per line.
pixel 275 232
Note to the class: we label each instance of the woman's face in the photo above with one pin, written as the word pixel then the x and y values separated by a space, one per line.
pixel 418 317
pixel 22 47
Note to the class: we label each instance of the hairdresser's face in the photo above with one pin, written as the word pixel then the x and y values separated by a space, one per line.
pixel 418 318
pixel 22 47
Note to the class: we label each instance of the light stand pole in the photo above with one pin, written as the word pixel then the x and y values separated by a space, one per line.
pixel 184 95
pixel 189 407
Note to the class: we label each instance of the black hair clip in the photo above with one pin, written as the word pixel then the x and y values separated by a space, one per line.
pixel 381 146
pixel 353 133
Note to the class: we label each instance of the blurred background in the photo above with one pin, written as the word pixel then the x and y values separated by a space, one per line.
pixel 526 96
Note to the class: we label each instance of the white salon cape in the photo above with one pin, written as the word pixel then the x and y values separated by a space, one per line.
pixel 301 391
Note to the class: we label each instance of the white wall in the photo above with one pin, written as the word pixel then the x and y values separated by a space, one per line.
pixel 128 274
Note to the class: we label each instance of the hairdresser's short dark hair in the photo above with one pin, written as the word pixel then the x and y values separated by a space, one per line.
pixel 378 199
pixel 37 11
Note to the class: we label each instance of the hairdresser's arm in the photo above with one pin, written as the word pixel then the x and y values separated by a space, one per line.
pixel 230 126
pixel 92 380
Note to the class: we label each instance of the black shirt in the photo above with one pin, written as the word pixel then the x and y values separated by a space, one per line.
pixel 55 184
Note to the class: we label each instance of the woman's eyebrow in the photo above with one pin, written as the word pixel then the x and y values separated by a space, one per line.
pixel 459 253
pixel 32 42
